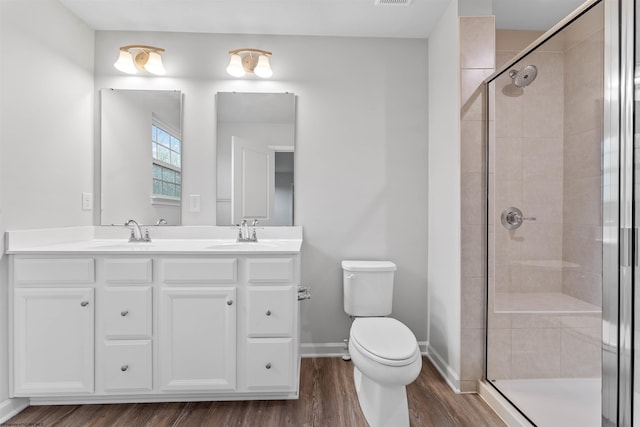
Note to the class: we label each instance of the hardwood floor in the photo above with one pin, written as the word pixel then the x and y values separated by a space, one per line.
pixel 327 398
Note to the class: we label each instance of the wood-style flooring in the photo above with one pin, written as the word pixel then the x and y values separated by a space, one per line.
pixel 327 398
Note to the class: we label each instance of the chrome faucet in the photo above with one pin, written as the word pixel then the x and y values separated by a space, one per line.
pixel 161 221
pixel 243 231
pixel 137 237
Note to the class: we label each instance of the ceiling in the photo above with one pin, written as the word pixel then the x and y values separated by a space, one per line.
pixel 355 18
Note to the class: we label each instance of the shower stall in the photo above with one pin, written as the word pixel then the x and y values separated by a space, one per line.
pixel 561 240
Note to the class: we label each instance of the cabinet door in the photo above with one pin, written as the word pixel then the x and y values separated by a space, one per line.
pixel 198 339
pixel 53 341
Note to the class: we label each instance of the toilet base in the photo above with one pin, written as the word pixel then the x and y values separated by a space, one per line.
pixel 382 405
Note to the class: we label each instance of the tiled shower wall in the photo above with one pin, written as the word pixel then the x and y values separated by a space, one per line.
pixel 477 62
pixel 528 170
pixel 583 134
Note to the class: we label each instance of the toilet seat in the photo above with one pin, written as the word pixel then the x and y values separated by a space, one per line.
pixel 384 340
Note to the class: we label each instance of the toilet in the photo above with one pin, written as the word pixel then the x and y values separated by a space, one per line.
pixel 385 353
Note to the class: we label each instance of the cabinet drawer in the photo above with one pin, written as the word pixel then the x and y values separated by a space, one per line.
pixel 127 312
pixel 190 271
pixel 127 270
pixel 270 311
pixel 127 365
pixel 260 270
pixel 55 271
pixel 269 363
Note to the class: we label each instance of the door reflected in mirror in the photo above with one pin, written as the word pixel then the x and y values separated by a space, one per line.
pixel 140 156
pixel 255 152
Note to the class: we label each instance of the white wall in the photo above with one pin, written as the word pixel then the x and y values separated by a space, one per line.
pixel 444 195
pixel 361 151
pixel 46 132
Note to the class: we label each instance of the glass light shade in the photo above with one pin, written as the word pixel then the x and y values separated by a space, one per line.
pixel 154 64
pixel 263 69
pixel 125 63
pixel 235 67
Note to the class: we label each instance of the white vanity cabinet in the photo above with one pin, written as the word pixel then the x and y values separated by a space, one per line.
pixel 162 327
pixel 53 329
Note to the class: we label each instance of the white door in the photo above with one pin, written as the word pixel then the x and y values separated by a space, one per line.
pixel 198 339
pixel 53 341
pixel 253 181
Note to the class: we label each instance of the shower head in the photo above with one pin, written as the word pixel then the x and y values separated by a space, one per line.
pixel 524 77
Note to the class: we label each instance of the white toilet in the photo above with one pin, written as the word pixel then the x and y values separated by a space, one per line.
pixel 385 352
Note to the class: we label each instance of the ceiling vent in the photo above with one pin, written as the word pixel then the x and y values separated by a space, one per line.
pixel 392 2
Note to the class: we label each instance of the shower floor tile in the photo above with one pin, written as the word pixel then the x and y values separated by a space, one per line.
pixel 556 402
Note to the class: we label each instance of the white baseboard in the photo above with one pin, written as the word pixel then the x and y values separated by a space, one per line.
pixel 12 407
pixel 500 406
pixel 330 349
pixel 445 370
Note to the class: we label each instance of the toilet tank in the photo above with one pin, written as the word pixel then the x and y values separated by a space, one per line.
pixel 368 287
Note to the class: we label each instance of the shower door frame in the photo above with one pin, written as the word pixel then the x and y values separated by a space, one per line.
pixel 622 98
pixel 617 205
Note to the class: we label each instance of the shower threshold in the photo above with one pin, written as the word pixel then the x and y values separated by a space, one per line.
pixel 553 402
pixel 538 302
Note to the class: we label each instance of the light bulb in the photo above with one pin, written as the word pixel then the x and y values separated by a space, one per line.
pixel 235 67
pixel 125 63
pixel 263 69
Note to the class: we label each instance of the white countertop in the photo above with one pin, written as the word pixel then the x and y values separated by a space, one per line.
pixel 170 240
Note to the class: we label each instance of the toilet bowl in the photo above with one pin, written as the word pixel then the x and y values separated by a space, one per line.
pixel 386 358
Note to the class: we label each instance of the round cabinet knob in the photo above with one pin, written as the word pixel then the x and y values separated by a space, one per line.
pixel 268 365
pixel 230 302
pixel 268 313
pixel 84 303
pixel 124 368
pixel 124 313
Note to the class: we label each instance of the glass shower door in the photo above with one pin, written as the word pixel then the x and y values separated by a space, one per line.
pixel 545 225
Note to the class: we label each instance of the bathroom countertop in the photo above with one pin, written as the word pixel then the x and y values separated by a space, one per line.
pixel 165 246
pixel 95 240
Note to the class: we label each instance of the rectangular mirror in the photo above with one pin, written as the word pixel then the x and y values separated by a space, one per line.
pixel 140 156
pixel 255 151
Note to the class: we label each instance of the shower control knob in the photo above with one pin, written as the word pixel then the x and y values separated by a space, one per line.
pixel 512 218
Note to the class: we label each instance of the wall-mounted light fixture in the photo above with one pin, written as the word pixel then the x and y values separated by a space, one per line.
pixel 134 57
pixel 249 60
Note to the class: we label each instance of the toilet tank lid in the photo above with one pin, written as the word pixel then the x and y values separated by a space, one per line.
pixel 368 266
